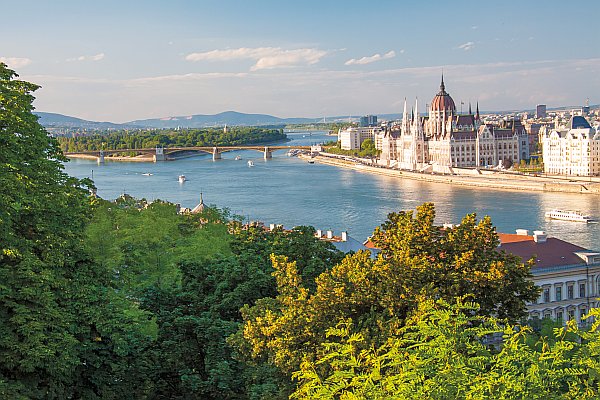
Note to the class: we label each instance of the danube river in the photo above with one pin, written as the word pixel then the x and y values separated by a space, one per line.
pixel 289 191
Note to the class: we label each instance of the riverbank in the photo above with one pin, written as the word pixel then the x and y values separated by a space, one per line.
pixel 489 180
pixel 140 158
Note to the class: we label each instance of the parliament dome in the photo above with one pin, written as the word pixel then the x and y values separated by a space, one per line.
pixel 442 101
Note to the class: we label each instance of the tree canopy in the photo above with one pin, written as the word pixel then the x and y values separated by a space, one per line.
pixel 63 332
pixel 418 260
pixel 441 353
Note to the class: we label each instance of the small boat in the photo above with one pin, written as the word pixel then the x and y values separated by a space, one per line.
pixel 311 161
pixel 182 178
pixel 147 174
pixel 568 215
pixel 251 163
pixel 237 158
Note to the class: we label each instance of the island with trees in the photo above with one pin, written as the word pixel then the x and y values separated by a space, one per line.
pixel 139 139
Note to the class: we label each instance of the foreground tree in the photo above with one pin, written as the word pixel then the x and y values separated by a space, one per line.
pixel 63 332
pixel 440 354
pixel 418 260
pixel 191 357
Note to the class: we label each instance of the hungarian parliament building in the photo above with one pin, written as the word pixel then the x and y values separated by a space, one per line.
pixel 445 139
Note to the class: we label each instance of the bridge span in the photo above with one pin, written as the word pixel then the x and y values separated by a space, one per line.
pixel 169 153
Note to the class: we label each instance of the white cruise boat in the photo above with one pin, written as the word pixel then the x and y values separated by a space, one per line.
pixel 182 178
pixel 568 215
pixel 251 163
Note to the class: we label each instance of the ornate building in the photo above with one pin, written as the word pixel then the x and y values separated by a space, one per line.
pixel 571 150
pixel 444 139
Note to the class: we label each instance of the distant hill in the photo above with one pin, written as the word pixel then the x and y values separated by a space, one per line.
pixel 53 120
pixel 231 118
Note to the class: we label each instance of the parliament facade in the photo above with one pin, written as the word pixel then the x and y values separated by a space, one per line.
pixel 444 139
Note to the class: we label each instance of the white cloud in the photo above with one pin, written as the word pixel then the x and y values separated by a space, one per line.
pixel 266 57
pixel 96 57
pixel 467 46
pixel 15 62
pixel 373 58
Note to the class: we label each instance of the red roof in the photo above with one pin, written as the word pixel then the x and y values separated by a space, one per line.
pixel 551 253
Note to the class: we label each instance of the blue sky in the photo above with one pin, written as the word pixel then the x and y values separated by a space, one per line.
pixel 124 60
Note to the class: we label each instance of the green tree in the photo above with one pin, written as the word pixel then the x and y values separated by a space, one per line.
pixel 63 332
pixel 441 354
pixel 417 260
pixel 192 354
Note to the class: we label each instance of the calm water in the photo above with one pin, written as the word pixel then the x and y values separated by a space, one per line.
pixel 289 191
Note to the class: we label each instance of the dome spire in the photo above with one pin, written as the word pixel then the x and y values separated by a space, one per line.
pixel 442 86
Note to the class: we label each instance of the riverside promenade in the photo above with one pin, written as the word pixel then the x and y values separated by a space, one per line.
pixel 489 179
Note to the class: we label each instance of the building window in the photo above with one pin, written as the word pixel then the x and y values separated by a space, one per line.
pixel 546 295
pixel 582 290
pixel 558 293
pixel 571 314
pixel 559 316
pixel 547 315
pixel 570 292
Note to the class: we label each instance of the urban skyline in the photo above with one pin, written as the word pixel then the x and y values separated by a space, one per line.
pixel 119 62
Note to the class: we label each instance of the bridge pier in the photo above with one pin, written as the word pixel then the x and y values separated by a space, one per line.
pixel 267 153
pixel 101 157
pixel 160 154
pixel 216 154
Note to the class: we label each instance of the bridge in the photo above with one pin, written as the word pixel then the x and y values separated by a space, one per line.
pixel 170 153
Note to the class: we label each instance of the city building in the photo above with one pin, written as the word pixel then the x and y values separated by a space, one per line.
pixel 540 111
pixel 445 139
pixel 368 120
pixel 352 138
pixel 569 275
pixel 571 150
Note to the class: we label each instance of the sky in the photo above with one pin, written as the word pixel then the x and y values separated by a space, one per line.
pixel 126 60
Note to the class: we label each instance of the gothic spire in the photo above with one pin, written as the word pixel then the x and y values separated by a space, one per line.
pixel 442 86
pixel 470 112
pixel 477 112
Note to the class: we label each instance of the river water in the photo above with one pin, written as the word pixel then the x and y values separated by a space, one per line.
pixel 289 191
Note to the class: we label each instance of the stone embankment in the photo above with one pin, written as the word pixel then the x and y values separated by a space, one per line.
pixel 488 179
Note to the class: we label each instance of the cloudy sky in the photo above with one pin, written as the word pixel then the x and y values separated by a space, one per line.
pixel 124 60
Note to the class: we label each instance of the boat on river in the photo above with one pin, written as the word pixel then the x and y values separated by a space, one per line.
pixel 251 163
pixel 182 178
pixel 568 215
pixel 147 174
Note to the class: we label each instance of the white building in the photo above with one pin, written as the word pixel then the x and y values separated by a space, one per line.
pixel 568 275
pixel 352 138
pixel 445 139
pixel 574 150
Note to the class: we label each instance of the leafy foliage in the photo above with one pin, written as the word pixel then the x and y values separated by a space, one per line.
pixel 441 354
pixel 417 260
pixel 115 140
pixel 195 319
pixel 63 332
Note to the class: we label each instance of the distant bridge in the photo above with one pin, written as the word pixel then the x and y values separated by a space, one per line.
pixel 169 153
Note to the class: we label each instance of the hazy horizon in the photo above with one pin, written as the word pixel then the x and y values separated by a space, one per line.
pixel 119 62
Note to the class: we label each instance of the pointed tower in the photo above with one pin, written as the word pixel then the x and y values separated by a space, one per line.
pixel 405 121
pixel 470 112
pixel 200 207
pixel 477 112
